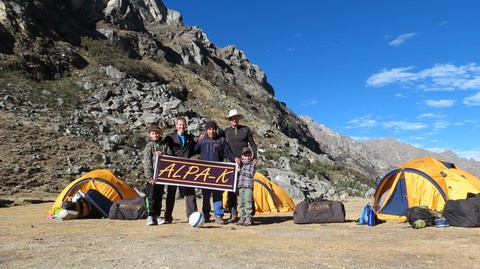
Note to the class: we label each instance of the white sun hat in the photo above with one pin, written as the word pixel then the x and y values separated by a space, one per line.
pixel 232 113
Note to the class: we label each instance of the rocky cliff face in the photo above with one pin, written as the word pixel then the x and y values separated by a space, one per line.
pixel 80 81
pixel 101 71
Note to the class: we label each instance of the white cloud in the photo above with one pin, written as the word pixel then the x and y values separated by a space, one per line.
pixel 443 23
pixel 473 100
pixel 399 95
pixel 471 84
pixel 402 125
pixel 402 39
pixel 440 103
pixel 385 77
pixel 441 77
pixel 441 124
pixel 291 49
pixel 367 122
pixel 431 116
pixel 362 122
pixel 442 71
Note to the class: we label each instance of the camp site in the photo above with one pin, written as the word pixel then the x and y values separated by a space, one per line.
pixel 31 240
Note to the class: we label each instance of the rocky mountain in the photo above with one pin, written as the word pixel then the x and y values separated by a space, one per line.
pixel 80 81
pixel 377 157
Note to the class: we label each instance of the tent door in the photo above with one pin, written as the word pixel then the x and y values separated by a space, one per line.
pixel 397 202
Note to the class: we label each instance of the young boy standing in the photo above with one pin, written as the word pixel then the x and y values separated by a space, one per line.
pixel 154 192
pixel 245 188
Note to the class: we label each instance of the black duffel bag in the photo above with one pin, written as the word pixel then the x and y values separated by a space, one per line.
pixel 128 209
pixel 463 213
pixel 319 211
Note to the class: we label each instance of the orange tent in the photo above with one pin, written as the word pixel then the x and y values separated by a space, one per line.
pixel 101 180
pixel 268 196
pixel 424 181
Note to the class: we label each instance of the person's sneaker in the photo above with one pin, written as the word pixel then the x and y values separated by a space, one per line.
pixel 219 220
pixel 160 221
pixel 241 221
pixel 248 222
pixel 151 220
pixel 168 221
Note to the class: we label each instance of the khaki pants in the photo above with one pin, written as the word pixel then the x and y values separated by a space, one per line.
pixel 245 202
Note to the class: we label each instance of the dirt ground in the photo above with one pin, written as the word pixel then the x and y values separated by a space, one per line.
pixel 29 240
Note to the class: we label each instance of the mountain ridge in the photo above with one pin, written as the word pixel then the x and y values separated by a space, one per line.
pixel 90 75
pixel 383 154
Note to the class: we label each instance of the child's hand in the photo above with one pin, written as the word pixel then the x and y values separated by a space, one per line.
pixel 158 153
pixel 151 181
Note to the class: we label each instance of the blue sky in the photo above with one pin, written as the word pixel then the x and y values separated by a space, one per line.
pixel 366 69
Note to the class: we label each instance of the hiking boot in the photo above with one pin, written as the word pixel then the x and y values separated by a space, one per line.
pixel 248 222
pixel 241 221
pixel 219 220
pixel 233 219
pixel 168 221
pixel 151 220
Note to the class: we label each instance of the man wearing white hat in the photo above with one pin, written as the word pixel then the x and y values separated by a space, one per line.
pixel 238 136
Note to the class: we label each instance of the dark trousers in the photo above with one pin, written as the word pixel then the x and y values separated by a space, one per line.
pixel 217 203
pixel 170 200
pixel 232 203
pixel 154 195
pixel 181 191
pixel 190 200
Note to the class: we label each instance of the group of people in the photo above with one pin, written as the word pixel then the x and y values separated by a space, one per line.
pixel 235 144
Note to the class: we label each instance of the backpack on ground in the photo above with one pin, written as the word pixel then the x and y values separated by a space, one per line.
pixel 319 211
pixel 78 204
pixel 363 219
pixel 369 217
pixel 128 209
pixel 421 216
pixel 83 207
pixel 463 213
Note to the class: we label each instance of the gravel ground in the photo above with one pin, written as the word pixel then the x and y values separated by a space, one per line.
pixel 30 240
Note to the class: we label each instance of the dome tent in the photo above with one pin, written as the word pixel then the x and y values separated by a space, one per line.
pixel 268 197
pixel 101 180
pixel 424 181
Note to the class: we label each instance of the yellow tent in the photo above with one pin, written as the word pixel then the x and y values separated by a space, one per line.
pixel 268 196
pixel 101 180
pixel 424 181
